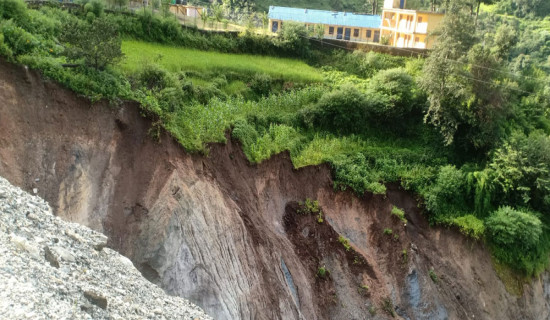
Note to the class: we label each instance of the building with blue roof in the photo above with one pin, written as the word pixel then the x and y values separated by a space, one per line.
pixel 335 25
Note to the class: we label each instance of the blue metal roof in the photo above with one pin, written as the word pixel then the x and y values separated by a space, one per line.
pixel 346 19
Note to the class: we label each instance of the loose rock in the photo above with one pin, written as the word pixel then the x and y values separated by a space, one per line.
pixel 96 299
pixel 53 269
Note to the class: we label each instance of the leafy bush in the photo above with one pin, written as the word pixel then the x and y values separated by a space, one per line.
pixel 96 7
pixel 516 237
pixel 293 39
pixel 17 39
pixel 323 272
pixel 392 94
pixel 354 171
pixel 446 198
pixel 342 110
pixel 13 9
pixel 514 229
pixel 521 170
pixel 261 84
pixel 469 225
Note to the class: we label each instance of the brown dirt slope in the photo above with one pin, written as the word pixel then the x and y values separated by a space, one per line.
pixel 213 229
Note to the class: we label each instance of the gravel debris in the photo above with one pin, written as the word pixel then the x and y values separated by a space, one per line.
pixel 53 269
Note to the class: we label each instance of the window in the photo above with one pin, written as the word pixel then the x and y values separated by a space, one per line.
pixel 369 33
pixel 419 19
pixel 331 30
pixel 416 39
pixel 275 26
pixel 355 33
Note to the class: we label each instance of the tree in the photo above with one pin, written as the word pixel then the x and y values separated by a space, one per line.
pixel 521 170
pixel 265 20
pixel 466 100
pixel 96 44
pixel 505 38
pixel 372 6
pixel 294 39
pixel 319 31
pixel 440 73
pixel 478 5
pixel 204 17
pixel 121 4
pixel 217 12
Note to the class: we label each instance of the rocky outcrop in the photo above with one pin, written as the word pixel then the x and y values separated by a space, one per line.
pixel 53 269
pixel 212 228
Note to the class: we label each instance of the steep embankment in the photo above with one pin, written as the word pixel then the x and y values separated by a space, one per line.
pixel 53 269
pixel 224 233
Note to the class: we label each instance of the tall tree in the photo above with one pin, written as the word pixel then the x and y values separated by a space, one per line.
pixel 96 44
pixel 465 100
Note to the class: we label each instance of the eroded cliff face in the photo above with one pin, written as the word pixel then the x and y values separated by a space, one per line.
pixel 224 234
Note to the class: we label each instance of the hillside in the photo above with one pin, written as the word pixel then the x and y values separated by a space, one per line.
pixel 276 177
pixel 226 234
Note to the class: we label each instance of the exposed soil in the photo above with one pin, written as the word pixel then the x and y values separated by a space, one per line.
pixel 224 233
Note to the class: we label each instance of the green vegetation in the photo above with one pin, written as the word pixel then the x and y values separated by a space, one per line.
pixel 175 59
pixel 387 305
pixel 311 207
pixel 363 290
pixel 344 242
pixel 323 272
pixel 433 275
pixel 516 238
pixel 399 213
pixel 466 129
pixel 372 310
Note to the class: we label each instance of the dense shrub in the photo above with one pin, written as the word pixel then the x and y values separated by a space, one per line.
pixel 392 94
pixel 342 110
pixel 515 236
pixel 18 40
pixel 521 170
pixel 261 85
pixel 446 198
pixel 354 171
pixel 96 7
pixel 363 64
pixel 294 39
pixel 13 9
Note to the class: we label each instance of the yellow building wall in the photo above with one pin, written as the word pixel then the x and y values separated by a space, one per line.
pixel 409 28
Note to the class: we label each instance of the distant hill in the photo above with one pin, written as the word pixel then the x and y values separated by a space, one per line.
pixel 337 5
pixel 360 6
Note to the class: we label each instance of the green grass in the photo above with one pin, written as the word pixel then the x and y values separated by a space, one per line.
pixel 177 59
pixel 400 213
